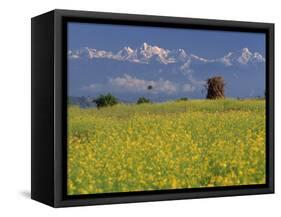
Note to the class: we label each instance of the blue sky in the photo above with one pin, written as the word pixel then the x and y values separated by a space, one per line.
pixel 204 43
pixel 200 42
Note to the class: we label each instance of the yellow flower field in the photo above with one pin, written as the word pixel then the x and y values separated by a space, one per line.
pixel 172 145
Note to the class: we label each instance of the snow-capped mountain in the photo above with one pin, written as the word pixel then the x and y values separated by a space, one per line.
pixel 243 57
pixel 174 73
pixel 146 53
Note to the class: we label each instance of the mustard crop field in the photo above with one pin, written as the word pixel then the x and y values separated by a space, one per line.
pixel 171 145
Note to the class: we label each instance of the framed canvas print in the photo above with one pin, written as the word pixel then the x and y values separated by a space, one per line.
pixel 133 108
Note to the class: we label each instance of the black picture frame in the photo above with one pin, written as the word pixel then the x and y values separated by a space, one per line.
pixel 49 107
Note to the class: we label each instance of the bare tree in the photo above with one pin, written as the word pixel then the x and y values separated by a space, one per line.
pixel 149 88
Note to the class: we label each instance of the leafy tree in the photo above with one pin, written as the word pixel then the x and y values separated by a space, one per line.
pixel 143 100
pixel 105 100
pixel 182 99
pixel 149 88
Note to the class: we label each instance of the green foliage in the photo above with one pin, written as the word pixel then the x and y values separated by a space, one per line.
pixel 182 99
pixel 106 100
pixel 143 100
pixel 149 87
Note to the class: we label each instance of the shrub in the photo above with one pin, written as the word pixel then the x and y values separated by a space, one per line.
pixel 105 100
pixel 143 100
pixel 182 99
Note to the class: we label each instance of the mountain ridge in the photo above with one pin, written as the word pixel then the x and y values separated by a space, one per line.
pixel 146 53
